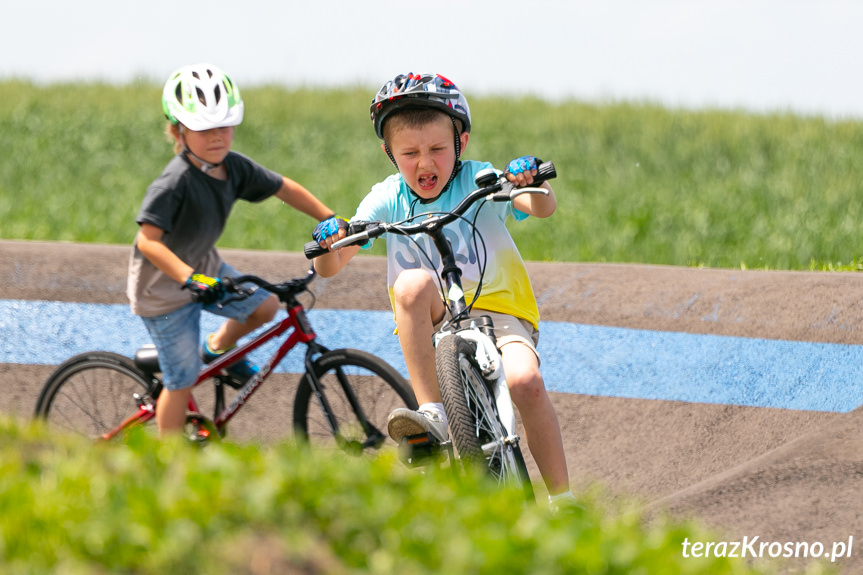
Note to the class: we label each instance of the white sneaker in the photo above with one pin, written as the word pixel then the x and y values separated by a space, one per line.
pixel 565 504
pixel 405 422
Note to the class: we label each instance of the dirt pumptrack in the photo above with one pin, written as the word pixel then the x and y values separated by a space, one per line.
pixel 781 475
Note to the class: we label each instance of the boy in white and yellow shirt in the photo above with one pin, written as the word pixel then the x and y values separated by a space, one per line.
pixel 424 121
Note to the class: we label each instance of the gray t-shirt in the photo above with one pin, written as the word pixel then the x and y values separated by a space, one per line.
pixel 191 208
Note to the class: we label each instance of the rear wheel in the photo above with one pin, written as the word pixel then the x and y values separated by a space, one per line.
pixel 477 432
pixel 93 393
pixel 358 392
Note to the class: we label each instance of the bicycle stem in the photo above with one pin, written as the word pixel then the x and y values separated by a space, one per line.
pixel 450 273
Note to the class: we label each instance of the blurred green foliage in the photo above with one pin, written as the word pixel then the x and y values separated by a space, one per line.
pixel 637 182
pixel 146 507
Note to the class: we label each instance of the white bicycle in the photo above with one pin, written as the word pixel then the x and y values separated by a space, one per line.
pixel 476 398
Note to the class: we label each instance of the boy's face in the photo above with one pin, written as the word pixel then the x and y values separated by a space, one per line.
pixel 210 145
pixel 426 155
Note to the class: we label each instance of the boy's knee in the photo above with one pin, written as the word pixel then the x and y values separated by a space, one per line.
pixel 526 387
pixel 266 311
pixel 412 286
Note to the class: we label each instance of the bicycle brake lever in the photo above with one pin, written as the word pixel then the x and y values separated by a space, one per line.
pixel 360 237
pixel 354 238
pixel 240 292
pixel 231 299
pixel 531 190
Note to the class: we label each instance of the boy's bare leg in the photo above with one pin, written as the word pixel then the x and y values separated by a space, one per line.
pixel 418 306
pixel 521 367
pixel 171 411
pixel 230 332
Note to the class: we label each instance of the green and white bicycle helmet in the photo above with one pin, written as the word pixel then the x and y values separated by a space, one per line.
pixel 419 91
pixel 202 97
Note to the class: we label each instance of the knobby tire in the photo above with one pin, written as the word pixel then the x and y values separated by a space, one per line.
pixel 92 393
pixel 472 415
pixel 378 388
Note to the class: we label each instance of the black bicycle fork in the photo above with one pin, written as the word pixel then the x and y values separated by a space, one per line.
pixel 374 435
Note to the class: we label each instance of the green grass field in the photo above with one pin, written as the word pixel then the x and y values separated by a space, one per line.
pixel 637 182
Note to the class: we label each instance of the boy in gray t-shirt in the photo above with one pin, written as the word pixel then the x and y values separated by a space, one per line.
pixel 181 218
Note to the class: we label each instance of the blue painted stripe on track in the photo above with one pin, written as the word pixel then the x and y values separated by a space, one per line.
pixel 584 359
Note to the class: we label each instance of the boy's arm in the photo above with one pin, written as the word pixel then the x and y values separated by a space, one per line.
pixel 537 205
pixel 149 242
pixel 298 197
pixel 331 263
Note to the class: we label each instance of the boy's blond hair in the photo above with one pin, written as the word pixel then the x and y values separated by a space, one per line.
pixel 414 117
pixel 173 133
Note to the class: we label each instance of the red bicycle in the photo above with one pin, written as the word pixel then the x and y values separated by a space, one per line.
pixel 102 394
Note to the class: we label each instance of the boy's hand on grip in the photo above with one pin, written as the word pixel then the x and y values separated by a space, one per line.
pixel 329 227
pixel 521 170
pixel 204 289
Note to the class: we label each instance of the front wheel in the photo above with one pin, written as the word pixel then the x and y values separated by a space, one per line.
pixel 346 400
pixel 477 432
pixel 94 393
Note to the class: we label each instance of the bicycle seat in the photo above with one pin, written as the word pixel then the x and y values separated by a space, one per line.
pixel 147 358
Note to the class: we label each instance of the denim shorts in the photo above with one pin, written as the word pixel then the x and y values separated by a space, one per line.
pixel 177 335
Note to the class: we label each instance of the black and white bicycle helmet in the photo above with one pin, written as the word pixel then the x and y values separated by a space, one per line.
pixel 419 90
pixel 202 97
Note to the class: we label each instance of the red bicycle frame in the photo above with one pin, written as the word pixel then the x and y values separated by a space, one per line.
pixel 303 333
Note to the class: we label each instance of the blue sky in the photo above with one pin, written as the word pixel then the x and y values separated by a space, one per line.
pixel 756 54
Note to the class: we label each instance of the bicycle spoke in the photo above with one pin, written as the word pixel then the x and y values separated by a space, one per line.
pixel 357 393
pixel 91 393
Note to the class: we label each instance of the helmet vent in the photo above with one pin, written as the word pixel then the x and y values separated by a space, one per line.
pixel 422 91
pixel 218 92
pixel 201 97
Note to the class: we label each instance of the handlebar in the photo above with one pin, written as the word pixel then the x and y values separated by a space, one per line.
pixel 285 290
pixel 492 187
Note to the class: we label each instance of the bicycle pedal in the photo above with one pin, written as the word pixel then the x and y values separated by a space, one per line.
pixel 200 430
pixel 419 450
pixel 230 381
